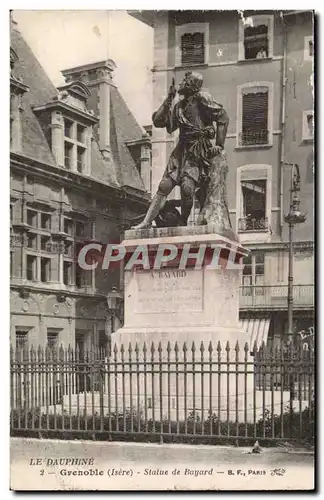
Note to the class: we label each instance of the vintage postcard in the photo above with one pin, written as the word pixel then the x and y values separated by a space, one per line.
pixel 162 250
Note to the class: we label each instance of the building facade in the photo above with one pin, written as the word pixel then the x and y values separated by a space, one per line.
pixel 259 65
pixel 77 158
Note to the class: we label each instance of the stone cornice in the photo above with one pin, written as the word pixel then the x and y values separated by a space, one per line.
pixel 137 142
pixel 67 109
pixel 18 86
pixel 121 195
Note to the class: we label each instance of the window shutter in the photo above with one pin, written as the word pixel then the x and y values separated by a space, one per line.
pixel 255 110
pixel 255 117
pixel 193 48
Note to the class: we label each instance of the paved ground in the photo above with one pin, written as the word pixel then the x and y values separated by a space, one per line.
pixel 35 465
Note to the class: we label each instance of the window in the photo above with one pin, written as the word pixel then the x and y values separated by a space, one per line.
pixel 45 269
pixel 308 48
pixel 68 245
pixel 253 274
pixel 254 194
pixel 11 264
pixel 192 48
pixel 308 125
pixel 79 228
pixel 80 133
pixel 52 339
pixel 103 342
pixel 253 200
pixel 192 44
pixel 67 272
pixel 254 114
pixel 46 221
pixel 80 159
pixel 68 154
pixel 32 241
pixel 255 117
pixel 68 226
pixel 21 339
pixel 31 267
pixel 255 37
pixel 75 146
pixel 68 128
pixel 45 243
pixel 79 276
pixel 32 218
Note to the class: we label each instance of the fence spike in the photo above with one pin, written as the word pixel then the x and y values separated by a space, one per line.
pixel 210 347
pixel 237 347
pixel 136 348
pixel 255 348
pixel 246 347
pixel 160 347
pixel 115 348
pixel 130 349
pixel 144 347
pixel 193 347
pixel 152 348
pixel 168 347
pixel 227 348
pixel 176 347
pixel 202 347
pixel 185 348
pixel 219 347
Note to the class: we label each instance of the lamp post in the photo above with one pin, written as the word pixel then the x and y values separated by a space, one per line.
pixel 113 299
pixel 292 218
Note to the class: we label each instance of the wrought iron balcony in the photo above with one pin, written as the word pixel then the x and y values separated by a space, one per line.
pixel 249 223
pixel 275 296
pixel 254 137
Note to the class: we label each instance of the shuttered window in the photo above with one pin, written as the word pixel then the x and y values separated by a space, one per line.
pixel 255 117
pixel 193 48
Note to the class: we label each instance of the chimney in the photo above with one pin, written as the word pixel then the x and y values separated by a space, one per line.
pixel 98 78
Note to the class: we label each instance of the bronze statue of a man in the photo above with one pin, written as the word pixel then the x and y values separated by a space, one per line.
pixel 194 115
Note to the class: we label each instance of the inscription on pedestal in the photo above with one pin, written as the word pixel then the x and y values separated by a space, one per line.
pixel 169 291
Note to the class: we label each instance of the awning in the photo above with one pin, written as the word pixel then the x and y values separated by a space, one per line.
pixel 258 328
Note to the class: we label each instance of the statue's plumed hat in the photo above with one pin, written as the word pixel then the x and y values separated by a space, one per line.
pixel 192 81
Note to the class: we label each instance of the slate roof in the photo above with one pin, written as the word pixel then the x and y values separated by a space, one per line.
pixel 120 170
pixel 124 128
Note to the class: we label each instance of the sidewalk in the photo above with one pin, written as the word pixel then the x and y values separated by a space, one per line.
pixel 130 466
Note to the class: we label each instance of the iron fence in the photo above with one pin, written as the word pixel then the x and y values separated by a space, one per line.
pixel 170 392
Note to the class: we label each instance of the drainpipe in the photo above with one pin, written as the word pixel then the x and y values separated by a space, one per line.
pixel 283 121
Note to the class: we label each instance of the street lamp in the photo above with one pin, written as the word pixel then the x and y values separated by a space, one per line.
pixel 293 217
pixel 113 300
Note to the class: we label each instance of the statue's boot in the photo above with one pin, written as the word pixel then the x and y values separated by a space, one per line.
pixel 157 204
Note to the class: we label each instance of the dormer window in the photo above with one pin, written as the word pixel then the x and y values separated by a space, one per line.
pixel 71 124
pixel 75 146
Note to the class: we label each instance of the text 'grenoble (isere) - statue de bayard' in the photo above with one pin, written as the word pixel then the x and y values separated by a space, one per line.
pixel 198 163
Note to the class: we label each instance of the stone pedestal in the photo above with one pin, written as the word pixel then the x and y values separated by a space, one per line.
pixel 182 328
pixel 188 305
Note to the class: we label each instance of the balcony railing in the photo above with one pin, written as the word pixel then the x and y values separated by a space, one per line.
pixel 276 296
pixel 254 137
pixel 246 224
